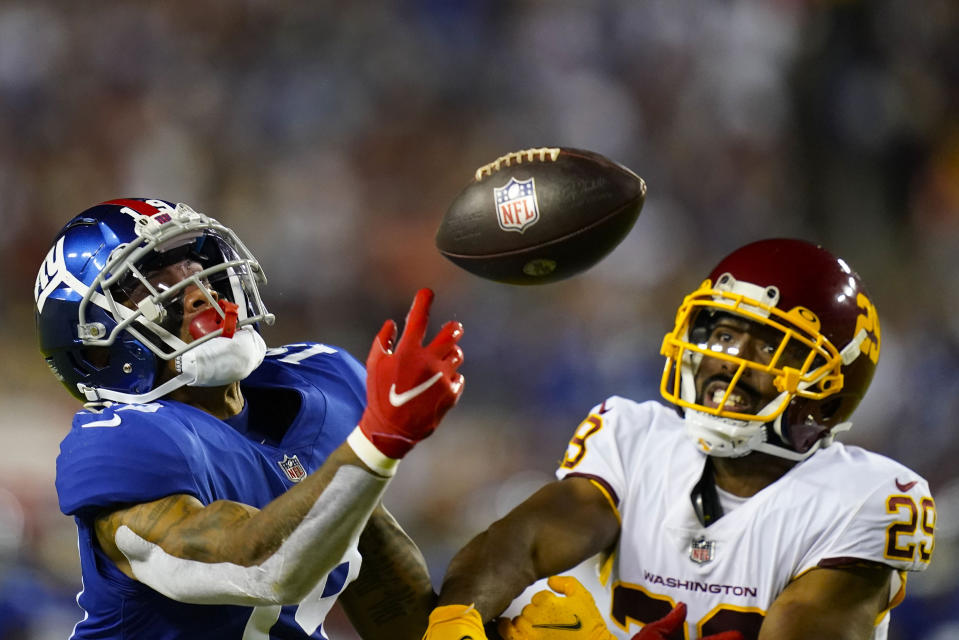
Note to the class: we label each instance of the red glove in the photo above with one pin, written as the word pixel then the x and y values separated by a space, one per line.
pixel 670 626
pixel 410 389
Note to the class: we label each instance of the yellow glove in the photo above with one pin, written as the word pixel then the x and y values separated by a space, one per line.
pixel 455 622
pixel 550 616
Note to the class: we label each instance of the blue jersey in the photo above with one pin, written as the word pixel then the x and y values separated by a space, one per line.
pixel 128 454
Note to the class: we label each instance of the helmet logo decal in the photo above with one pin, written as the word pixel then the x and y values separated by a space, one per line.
pixel 869 320
pixel 51 275
pixel 149 215
pixel 140 208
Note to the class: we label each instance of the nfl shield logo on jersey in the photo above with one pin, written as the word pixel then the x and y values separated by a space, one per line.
pixel 292 468
pixel 702 550
pixel 516 206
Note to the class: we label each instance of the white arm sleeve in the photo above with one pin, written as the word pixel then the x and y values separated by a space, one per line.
pixel 330 529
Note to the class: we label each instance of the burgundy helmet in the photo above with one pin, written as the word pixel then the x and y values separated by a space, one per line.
pixel 829 341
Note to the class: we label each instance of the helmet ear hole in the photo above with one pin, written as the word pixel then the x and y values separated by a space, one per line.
pixel 89 360
pixel 96 357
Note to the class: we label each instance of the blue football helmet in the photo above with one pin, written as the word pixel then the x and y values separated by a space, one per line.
pixel 105 328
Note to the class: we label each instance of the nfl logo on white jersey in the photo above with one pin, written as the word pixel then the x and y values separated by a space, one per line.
pixel 292 468
pixel 516 206
pixel 701 550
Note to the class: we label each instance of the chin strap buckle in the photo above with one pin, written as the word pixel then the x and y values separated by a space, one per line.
pixel 830 437
pixel 90 393
pixel 852 350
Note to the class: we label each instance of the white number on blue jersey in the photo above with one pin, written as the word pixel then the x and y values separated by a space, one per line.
pixel 302 353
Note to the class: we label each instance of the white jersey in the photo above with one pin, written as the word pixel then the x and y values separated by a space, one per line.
pixel 841 504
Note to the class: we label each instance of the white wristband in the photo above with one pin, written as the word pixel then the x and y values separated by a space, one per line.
pixel 370 455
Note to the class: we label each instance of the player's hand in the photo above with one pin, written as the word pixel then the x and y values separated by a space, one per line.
pixel 572 615
pixel 670 626
pixel 410 387
pixel 455 622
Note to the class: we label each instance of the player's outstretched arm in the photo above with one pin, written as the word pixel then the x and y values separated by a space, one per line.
pixel 393 594
pixel 555 529
pixel 842 603
pixel 230 553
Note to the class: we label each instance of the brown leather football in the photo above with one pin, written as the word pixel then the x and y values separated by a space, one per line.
pixel 540 215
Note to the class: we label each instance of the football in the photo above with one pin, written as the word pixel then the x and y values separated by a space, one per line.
pixel 540 215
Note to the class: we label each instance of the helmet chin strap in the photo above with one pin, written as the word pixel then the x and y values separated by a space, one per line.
pixel 728 438
pixel 789 454
pixel 96 395
pixel 216 362
pixel 721 437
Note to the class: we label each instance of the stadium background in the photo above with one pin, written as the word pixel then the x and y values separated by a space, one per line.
pixel 332 135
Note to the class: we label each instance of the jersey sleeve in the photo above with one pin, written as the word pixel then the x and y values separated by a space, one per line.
pixel 894 525
pixel 332 371
pixel 322 363
pixel 352 371
pixel 594 450
pixel 345 392
pixel 124 455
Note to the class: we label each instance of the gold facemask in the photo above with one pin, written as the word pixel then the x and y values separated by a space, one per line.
pixel 814 373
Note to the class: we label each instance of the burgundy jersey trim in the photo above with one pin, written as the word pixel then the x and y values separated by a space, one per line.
pixel 600 481
pixel 849 561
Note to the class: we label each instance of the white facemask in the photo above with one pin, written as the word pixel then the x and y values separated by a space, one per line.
pixel 221 361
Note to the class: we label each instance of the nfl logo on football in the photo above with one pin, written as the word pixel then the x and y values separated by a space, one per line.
pixel 516 206
pixel 702 550
pixel 292 468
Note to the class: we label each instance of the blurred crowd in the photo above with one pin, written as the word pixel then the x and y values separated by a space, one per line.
pixel 333 135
